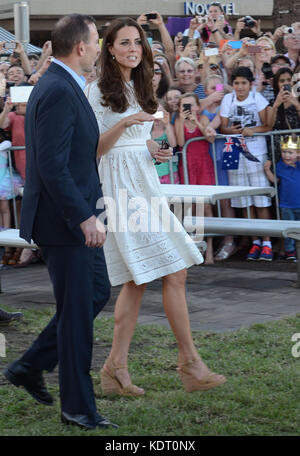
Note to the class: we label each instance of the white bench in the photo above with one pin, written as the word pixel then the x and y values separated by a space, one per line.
pixel 11 238
pixel 246 227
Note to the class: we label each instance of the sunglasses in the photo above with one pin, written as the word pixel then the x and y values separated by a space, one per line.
pixel 212 66
pixel 157 71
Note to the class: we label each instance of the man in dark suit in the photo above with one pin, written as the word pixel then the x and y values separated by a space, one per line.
pixel 59 214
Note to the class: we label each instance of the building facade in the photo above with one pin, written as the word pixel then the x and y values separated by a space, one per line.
pixel 43 14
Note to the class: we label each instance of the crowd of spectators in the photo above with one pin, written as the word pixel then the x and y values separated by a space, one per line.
pixel 209 79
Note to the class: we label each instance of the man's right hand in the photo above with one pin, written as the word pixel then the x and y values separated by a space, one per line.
pixel 94 232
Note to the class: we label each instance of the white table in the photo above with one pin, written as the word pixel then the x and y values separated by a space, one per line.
pixel 212 193
pixel 11 238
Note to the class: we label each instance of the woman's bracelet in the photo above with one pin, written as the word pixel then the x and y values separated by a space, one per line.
pixel 214 31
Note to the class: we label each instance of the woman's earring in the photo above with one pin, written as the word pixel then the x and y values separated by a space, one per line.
pixel 114 58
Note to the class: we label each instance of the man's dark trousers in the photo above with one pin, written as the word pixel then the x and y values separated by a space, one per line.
pixel 81 288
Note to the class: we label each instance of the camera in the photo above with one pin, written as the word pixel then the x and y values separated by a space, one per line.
pixel 267 70
pixel 249 21
pixel 202 20
pixel 287 87
pixel 151 16
pixel 288 30
pixel 10 45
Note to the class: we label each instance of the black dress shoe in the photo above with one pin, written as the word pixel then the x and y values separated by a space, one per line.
pixel 21 374
pixel 7 317
pixel 84 422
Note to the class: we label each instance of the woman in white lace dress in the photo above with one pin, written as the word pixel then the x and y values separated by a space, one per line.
pixel 140 247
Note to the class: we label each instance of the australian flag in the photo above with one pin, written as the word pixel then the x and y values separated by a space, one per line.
pixel 231 153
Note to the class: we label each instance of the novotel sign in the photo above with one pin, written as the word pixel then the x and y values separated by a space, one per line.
pixel 198 9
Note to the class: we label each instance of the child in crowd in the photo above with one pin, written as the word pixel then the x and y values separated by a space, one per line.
pixel 199 163
pixel 162 130
pixel 9 188
pixel 210 117
pixel 172 99
pixel 14 122
pixel 288 174
pixel 244 112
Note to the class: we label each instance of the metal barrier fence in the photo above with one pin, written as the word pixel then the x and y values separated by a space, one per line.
pixel 175 159
pixel 270 134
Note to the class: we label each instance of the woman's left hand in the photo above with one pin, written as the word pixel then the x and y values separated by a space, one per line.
pixel 161 155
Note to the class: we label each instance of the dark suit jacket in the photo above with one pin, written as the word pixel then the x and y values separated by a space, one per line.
pixel 62 182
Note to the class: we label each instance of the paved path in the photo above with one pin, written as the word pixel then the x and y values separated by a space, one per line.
pixel 223 297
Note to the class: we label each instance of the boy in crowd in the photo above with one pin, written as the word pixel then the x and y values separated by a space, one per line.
pixel 288 175
pixel 244 112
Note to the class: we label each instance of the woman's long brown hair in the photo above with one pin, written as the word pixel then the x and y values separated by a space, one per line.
pixel 111 82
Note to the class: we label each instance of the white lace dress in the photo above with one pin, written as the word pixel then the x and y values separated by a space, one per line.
pixel 145 240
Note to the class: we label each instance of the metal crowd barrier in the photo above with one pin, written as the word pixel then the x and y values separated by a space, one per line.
pixel 270 134
pixel 175 159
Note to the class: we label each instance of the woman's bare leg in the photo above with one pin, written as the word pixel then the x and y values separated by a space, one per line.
pixel 126 314
pixel 175 305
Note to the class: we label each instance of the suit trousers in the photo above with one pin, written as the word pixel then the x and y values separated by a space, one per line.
pixel 81 288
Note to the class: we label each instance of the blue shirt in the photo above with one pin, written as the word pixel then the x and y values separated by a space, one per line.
pixel 79 79
pixel 200 91
pixel 289 185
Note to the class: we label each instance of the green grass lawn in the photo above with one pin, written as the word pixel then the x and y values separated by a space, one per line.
pixel 261 396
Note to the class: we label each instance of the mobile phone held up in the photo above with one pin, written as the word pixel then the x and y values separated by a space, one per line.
pixel 235 44
pixel 10 45
pixel 187 107
pixel 164 144
pixel 254 49
pixel 287 87
pixel 151 16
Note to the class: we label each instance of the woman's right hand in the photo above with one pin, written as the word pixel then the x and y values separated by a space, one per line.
pixel 138 119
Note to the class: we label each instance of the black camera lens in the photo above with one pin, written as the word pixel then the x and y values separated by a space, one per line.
pixel 249 22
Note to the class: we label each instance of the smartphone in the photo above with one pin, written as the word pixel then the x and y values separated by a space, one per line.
pixel 235 44
pixel 211 51
pixel 158 115
pixel 164 144
pixel 187 106
pixel 151 16
pixel 185 40
pixel 10 45
pixel 236 123
pixel 287 87
pixel 254 49
pixel 219 87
